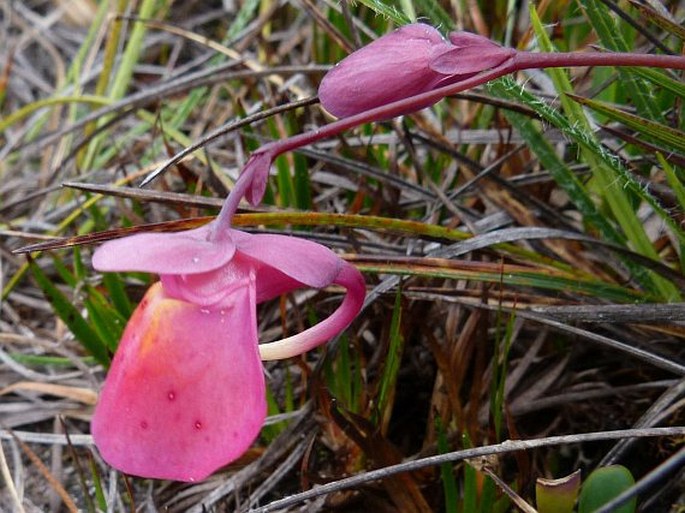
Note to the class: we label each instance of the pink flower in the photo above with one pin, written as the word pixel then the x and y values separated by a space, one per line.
pixel 409 61
pixel 185 393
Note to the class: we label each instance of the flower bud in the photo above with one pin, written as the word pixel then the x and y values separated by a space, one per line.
pixel 409 61
pixel 393 67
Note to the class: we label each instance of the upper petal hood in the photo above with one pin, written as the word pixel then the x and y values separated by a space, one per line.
pixel 187 252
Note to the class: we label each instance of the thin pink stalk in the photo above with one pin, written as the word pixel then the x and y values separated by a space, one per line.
pixel 528 60
pixel 518 62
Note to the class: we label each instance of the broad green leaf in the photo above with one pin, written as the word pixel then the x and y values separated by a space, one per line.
pixel 603 485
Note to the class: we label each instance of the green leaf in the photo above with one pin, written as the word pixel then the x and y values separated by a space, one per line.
pixel 605 171
pixel 117 293
pixel 435 13
pixel 679 191
pixel 603 485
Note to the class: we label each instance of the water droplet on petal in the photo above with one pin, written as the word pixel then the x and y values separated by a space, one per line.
pixel 171 396
pixel 196 260
pixel 143 424
pixel 198 425
pixel 204 311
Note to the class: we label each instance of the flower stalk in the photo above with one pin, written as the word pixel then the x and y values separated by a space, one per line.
pixel 343 88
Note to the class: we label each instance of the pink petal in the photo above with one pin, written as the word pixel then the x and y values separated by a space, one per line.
pixel 350 278
pixel 185 393
pixel 470 60
pixel 210 288
pixel 469 39
pixel 394 67
pixel 289 262
pixel 184 252
pixel 258 165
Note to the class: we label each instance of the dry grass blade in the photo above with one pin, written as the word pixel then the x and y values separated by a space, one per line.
pixel 515 497
pixel 94 238
pixel 640 313
pixel 177 85
pixel 508 446
pixel 166 197
pixel 656 360
pixel 46 438
pixel 226 129
pixel 9 482
pixel 82 395
pixel 45 472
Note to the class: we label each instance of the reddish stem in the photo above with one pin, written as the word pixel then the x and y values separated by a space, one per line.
pixel 528 60
pixel 519 61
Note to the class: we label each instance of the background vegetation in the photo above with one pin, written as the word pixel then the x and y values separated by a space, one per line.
pixel 522 244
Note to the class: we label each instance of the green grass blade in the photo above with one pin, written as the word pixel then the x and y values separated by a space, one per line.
pixel 658 132
pixel 540 280
pixel 603 23
pixel 435 13
pixel 71 316
pixel 500 366
pixel 649 14
pixel 679 190
pixel 29 108
pixel 449 482
pixel 608 173
pixel 561 173
pixel 122 77
pixel 408 9
pixel 116 291
pixel 661 79
pixel 343 374
pixel 388 11
pixel 391 366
